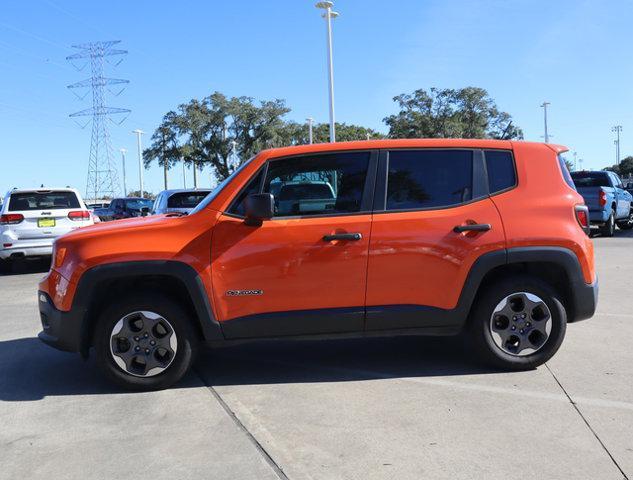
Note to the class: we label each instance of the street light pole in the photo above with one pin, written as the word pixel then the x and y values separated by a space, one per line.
pixel 123 152
pixel 575 165
pixel 329 15
pixel 617 129
pixel 544 105
pixel 310 121
pixel 138 133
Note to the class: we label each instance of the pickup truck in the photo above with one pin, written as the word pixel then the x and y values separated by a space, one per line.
pixel 608 201
pixel 124 208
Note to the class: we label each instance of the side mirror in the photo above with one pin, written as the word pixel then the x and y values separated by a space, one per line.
pixel 259 207
pixel 144 211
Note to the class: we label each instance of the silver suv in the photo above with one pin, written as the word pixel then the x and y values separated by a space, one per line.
pixel 178 200
pixel 31 220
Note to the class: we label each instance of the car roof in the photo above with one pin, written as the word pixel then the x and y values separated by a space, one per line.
pixel 42 190
pixel 404 143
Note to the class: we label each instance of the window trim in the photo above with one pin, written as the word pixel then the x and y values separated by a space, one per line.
pixel 366 198
pixel 380 207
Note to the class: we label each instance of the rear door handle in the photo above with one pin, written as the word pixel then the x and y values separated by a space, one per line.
pixel 342 236
pixel 477 227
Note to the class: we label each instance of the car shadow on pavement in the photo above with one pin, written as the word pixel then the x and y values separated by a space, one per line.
pixel 24 266
pixel 30 370
pixel 341 360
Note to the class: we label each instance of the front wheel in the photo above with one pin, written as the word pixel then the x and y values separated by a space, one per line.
pixel 145 342
pixel 518 324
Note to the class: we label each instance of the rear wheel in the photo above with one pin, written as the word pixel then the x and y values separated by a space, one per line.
pixel 145 342
pixel 518 324
pixel 608 230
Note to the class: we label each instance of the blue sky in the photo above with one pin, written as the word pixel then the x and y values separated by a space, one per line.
pixel 574 54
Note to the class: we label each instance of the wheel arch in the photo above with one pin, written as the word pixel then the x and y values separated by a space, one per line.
pixel 176 279
pixel 557 266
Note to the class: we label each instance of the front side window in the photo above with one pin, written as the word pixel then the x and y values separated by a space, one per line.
pixel 419 179
pixel 318 184
pixel 42 201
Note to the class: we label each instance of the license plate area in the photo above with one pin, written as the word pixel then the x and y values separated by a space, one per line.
pixel 45 222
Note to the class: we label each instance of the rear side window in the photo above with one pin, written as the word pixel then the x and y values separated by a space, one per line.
pixel 566 175
pixel 42 201
pixel 429 178
pixel 501 171
pixel 185 199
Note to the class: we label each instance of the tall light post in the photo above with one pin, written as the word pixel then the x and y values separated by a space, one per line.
pixel 617 129
pixel 138 133
pixel 544 105
pixel 329 15
pixel 123 152
pixel 575 164
pixel 310 121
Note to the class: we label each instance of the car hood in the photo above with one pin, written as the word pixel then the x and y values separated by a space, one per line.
pixel 157 237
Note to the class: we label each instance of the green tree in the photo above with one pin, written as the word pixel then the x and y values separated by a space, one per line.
pixel 625 168
pixel 298 133
pixel 442 113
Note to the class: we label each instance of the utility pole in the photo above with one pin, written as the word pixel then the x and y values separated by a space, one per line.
pixel 580 160
pixel 544 105
pixel 184 174
pixel 195 175
pixel 165 161
pixel 310 121
pixel 617 129
pixel 138 133
pixel 123 152
pixel 575 155
pixel 329 15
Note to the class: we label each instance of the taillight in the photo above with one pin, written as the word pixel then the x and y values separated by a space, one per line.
pixel 602 199
pixel 11 218
pixel 582 216
pixel 79 215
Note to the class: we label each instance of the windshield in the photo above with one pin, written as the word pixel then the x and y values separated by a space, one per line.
pixel 590 179
pixel 137 204
pixel 214 193
pixel 42 200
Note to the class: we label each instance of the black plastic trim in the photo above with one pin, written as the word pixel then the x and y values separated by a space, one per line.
pixel 61 330
pixel 296 323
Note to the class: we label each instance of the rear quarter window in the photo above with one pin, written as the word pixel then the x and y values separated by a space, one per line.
pixel 21 201
pixel 501 170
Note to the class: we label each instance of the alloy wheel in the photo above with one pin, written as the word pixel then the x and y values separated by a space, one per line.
pixel 143 343
pixel 521 324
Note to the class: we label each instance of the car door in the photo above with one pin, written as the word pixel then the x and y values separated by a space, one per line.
pixel 418 262
pixel 303 271
pixel 623 198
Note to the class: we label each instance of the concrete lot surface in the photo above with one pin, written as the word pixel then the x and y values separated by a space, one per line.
pixel 354 409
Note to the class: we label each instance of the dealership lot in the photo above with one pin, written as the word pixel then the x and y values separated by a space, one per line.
pixel 368 408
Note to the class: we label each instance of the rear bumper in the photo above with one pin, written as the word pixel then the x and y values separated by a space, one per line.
pixel 61 330
pixel 585 301
pixel 598 217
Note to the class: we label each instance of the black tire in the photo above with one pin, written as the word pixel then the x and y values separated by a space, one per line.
pixel 178 319
pixel 608 230
pixel 479 331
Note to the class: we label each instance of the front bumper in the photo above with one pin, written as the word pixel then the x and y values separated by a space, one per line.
pixel 585 300
pixel 61 330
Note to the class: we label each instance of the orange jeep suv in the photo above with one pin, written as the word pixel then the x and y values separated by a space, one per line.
pixel 438 237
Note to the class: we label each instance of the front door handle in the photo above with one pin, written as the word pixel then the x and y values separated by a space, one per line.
pixel 475 227
pixel 342 236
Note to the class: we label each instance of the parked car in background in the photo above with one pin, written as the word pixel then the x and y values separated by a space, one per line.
pixel 127 207
pixel 94 206
pixel 608 201
pixel 434 236
pixel 178 200
pixel 31 220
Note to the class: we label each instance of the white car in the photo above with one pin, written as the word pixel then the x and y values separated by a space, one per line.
pixel 31 220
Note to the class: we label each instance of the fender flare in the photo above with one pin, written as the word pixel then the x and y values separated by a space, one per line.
pixel 209 326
